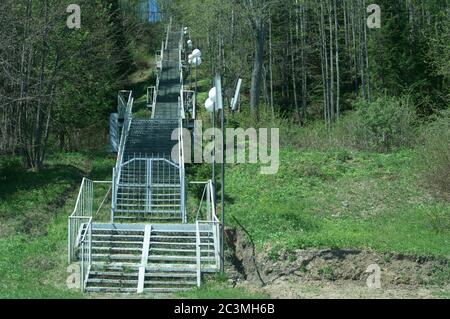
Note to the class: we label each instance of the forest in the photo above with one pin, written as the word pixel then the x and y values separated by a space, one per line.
pixel 360 92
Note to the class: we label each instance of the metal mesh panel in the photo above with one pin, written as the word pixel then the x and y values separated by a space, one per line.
pixel 149 190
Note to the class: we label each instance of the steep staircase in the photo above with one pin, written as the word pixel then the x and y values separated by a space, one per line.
pixel 150 138
pixel 148 247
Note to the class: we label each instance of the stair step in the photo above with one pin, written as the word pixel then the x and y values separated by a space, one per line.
pixel 148 217
pixel 113 273
pixel 148 213
pixel 117 256
pixel 166 290
pixel 153 206
pixel 178 258
pixel 173 250
pixel 179 243
pixel 116 248
pixel 112 281
pixel 141 200
pixel 116 242
pixel 119 231
pixel 111 289
pixel 94 235
pixel 170 275
pixel 170 283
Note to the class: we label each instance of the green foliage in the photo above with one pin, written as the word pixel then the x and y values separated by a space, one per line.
pixel 434 154
pixel 328 273
pixel 384 124
pixel 33 223
pixel 215 290
pixel 368 201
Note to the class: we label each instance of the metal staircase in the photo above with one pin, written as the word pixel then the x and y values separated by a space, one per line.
pixel 148 258
pixel 148 246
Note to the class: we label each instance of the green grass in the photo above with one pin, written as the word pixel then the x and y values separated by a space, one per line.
pixel 337 199
pixel 34 208
pixel 442 294
pixel 341 200
pixel 217 290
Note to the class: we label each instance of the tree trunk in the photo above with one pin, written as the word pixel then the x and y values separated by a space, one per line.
pixel 338 89
pixel 255 90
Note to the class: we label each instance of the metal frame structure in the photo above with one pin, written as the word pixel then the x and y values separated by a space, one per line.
pixel 80 228
pixel 147 187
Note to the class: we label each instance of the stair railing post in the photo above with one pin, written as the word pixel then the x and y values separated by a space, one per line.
pixel 198 252
pixel 82 268
pixel 113 199
pixel 148 194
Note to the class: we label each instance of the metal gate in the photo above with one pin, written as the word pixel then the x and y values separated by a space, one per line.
pixel 149 189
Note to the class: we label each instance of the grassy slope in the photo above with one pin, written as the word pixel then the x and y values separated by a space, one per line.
pixel 33 214
pixel 340 199
pixel 318 199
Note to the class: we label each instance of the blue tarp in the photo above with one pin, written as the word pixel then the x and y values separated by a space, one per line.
pixel 154 11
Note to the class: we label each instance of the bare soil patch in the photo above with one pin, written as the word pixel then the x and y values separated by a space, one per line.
pixel 333 273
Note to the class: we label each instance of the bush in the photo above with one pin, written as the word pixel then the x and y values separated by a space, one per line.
pixel 434 154
pixel 382 125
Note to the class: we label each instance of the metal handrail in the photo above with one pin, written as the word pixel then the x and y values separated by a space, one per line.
pixel 182 170
pixel 169 27
pixel 123 139
pixel 185 99
pixel 211 217
pixel 198 255
pixel 180 60
pixel 152 92
pixel 86 255
pixel 80 228
pixel 181 158
pixel 81 212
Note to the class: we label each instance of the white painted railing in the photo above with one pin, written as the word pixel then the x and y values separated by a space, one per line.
pixel 81 215
pixel 182 170
pixel 80 227
pixel 169 28
pixel 187 102
pixel 85 254
pixel 123 139
pixel 198 254
pixel 210 219
pixel 152 93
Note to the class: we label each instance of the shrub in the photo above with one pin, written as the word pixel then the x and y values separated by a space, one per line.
pixel 434 154
pixel 382 125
